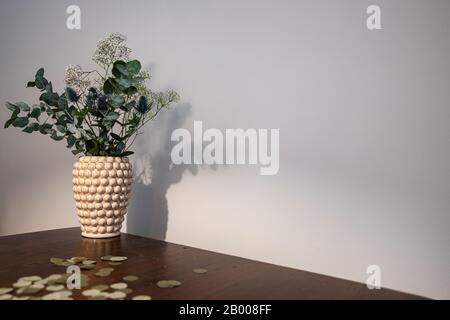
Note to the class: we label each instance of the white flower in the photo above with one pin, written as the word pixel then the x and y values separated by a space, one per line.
pixel 73 74
pixel 75 77
pixel 111 49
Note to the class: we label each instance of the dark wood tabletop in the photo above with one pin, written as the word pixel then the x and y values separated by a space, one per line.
pixel 228 277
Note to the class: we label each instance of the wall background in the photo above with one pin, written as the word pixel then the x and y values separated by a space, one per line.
pixel 363 117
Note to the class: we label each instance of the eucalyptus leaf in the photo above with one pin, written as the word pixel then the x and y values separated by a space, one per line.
pixel 120 69
pixel 13 117
pixel 107 125
pixel 120 147
pixel 40 72
pixel 50 98
pixel 92 147
pixel 133 67
pixel 60 115
pixel 23 106
pixel 41 83
pixel 77 151
pixel 15 113
pixel 31 127
pixel 45 128
pixel 77 135
pixel 55 136
pixel 130 91
pixel 62 102
pixel 85 134
pixel 61 128
pixel 123 83
pixel 112 116
pixel 62 121
pixel 126 153
pixel 20 122
pixel 117 101
pixel 110 86
pixel 39 80
pixel 70 141
pixel 9 122
pixel 71 128
pixel 49 87
pixel 87 121
pixel 116 137
pixel 36 112
pixel 11 106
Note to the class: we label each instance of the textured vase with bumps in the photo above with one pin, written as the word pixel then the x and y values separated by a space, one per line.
pixel 102 187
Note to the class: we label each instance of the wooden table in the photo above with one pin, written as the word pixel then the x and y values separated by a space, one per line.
pixel 228 277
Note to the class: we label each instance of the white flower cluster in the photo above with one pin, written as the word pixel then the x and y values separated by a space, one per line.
pixel 141 86
pixel 108 51
pixel 172 96
pixel 164 99
pixel 111 49
pixel 75 77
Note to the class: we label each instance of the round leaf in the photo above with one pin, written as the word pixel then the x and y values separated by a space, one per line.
pixel 120 70
pixel 40 72
pixel 112 116
pixel 133 67
pixel 31 127
pixel 109 86
pixel 71 141
pixel 123 83
pixel 36 112
pixel 23 106
pixel 20 122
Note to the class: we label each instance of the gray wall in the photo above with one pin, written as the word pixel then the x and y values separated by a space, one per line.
pixel 363 117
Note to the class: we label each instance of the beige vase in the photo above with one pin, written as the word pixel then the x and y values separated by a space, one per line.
pixel 101 187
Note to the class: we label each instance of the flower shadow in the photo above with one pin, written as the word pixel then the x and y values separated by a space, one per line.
pixel 154 174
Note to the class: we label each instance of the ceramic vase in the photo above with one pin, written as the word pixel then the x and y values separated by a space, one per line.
pixel 102 187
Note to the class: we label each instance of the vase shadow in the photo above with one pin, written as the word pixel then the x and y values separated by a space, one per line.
pixel 148 210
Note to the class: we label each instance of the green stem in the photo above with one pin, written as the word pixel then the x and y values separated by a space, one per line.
pixel 134 135
pixel 87 119
pixel 132 141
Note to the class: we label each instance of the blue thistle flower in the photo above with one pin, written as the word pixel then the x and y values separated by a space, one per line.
pixel 142 105
pixel 89 101
pixel 72 95
pixel 91 97
pixel 93 93
pixel 101 103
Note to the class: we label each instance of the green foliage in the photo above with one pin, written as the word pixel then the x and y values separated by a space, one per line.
pixel 98 120
pixel 125 78
pixel 20 122
pixel 36 112
pixel 32 127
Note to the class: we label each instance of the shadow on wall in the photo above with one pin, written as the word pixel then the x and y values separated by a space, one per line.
pixel 154 174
